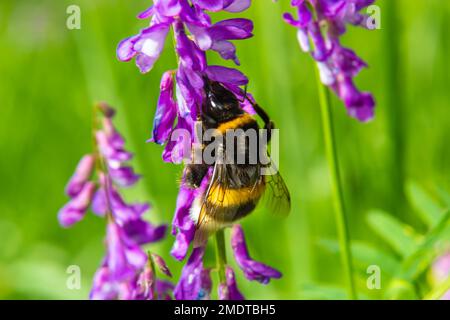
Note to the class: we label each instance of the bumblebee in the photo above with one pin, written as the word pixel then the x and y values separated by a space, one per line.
pixel 233 188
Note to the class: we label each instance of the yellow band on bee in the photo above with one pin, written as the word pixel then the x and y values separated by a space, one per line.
pixel 235 197
pixel 238 122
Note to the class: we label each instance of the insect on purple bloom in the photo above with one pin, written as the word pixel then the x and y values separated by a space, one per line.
pixel 182 94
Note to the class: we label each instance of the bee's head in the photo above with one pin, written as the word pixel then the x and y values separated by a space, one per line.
pixel 221 104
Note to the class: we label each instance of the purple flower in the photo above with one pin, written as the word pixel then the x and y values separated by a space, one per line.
pixel 82 174
pixel 166 110
pixel 75 210
pixel 143 232
pixel 253 270
pixel 337 65
pixel 179 105
pixel 116 278
pixel 145 289
pixel 229 290
pixel 126 230
pixel 114 203
pixel 124 257
pixel 164 289
pixel 182 225
pixel 148 287
pixel 104 288
pixel 146 47
pixel 195 281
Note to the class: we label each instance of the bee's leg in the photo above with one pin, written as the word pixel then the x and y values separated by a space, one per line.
pixel 245 94
pixel 268 124
pixel 194 174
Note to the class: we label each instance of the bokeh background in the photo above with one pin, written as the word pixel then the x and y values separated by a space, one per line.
pixel 50 77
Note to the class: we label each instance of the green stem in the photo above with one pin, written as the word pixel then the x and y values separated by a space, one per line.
pixel 221 256
pixel 439 291
pixel 394 105
pixel 338 201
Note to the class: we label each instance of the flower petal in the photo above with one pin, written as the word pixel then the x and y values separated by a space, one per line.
pixel 150 45
pixel 229 290
pixel 125 49
pixel 82 173
pixel 168 8
pixel 194 283
pixel 166 110
pixel 76 209
pixel 143 232
pixel 237 5
pixel 253 270
pixel 226 75
pixel 210 5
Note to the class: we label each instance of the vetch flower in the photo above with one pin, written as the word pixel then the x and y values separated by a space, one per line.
pixel 181 100
pixel 179 104
pixel 148 287
pixel 195 281
pixel 82 174
pixel 77 207
pixel 229 290
pixel 126 229
pixel 253 270
pixel 320 25
pixel 182 225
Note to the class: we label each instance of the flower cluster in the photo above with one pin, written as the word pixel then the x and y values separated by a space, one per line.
pixel 194 34
pixel 195 281
pixel 320 25
pixel 95 184
pixel 182 94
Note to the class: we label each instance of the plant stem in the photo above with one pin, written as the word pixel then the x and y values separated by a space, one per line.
pixel 221 256
pixel 338 201
pixel 439 291
pixel 394 106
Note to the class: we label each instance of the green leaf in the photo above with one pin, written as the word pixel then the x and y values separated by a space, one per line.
pixel 424 255
pixel 400 289
pixel 445 196
pixel 428 209
pixel 402 238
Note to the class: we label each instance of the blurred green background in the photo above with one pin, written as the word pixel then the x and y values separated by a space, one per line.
pixel 50 76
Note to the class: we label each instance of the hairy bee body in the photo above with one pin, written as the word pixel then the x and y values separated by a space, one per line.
pixel 242 192
pixel 234 187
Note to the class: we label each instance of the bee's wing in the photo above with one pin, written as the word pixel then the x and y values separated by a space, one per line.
pixel 276 196
pixel 212 202
pixel 219 200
